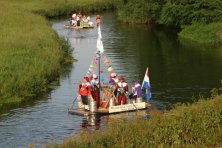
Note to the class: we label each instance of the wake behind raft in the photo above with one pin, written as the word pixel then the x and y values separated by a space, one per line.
pixel 114 95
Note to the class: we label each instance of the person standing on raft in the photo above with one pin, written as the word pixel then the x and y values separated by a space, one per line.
pixel 85 92
pixel 137 91
pixel 122 88
pixel 95 90
pixel 113 81
pixel 95 93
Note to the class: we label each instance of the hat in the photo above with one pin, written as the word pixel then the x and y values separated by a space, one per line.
pixel 98 17
pixel 95 76
pixel 137 81
pixel 91 77
pixel 123 79
pixel 86 78
pixel 113 74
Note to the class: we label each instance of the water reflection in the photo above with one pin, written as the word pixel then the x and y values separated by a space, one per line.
pixel 91 122
pixel 177 71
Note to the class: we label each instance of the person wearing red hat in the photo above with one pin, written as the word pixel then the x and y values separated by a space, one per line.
pixel 122 88
pixel 85 91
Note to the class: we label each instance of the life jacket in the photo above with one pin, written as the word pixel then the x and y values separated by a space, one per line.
pixel 85 89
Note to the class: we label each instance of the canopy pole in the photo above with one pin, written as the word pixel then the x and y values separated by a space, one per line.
pixel 99 72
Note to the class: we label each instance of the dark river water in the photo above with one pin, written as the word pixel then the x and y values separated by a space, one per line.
pixel 177 73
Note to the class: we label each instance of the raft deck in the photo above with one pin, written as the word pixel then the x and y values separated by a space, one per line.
pixel 111 110
pixel 77 27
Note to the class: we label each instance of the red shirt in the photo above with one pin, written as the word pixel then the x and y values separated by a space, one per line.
pixel 85 90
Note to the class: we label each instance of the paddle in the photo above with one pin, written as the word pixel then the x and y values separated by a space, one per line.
pixel 73 102
pixel 134 105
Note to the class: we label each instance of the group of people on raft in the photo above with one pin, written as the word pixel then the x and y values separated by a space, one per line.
pixel 90 88
pixel 77 19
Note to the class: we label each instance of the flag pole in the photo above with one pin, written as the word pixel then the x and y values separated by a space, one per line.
pixel 144 77
pixel 146 85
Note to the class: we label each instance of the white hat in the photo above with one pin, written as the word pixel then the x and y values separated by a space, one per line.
pixel 113 74
pixel 95 76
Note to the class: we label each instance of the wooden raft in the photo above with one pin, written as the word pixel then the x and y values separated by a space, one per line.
pixel 83 112
pixel 77 27
pixel 110 110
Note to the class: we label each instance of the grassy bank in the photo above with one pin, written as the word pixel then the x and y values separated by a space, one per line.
pixel 203 33
pixel 31 52
pixel 196 125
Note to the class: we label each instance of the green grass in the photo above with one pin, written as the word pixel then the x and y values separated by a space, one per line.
pixel 192 125
pixel 32 55
pixel 207 34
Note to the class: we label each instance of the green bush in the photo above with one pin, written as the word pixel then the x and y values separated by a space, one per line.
pixel 186 12
pixel 204 13
pixel 140 11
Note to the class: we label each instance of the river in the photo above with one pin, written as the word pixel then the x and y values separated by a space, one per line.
pixel 177 73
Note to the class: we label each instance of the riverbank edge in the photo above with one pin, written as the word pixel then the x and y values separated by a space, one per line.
pixel 52 80
pixel 52 13
pixel 187 125
pixel 144 12
pixel 209 34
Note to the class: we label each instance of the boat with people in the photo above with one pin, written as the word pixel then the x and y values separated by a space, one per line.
pixel 79 22
pixel 116 96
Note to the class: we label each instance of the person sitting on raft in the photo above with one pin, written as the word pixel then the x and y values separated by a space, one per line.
pixel 122 88
pixel 85 92
pixel 84 19
pixel 88 18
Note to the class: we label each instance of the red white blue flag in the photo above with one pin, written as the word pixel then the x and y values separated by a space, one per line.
pixel 146 85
